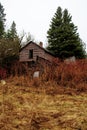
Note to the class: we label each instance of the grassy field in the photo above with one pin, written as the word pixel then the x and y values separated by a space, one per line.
pixel 42 108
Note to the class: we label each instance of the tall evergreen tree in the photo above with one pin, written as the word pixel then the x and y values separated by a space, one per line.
pixel 13 37
pixel 63 39
pixel 11 33
pixel 10 45
pixel 2 20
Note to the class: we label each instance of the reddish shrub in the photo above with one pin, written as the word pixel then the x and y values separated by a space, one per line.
pixel 67 74
pixel 72 75
pixel 3 73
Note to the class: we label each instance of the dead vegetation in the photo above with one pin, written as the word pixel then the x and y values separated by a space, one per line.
pixel 55 101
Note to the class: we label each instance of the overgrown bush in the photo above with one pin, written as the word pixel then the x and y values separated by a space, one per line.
pixel 73 75
pixel 67 75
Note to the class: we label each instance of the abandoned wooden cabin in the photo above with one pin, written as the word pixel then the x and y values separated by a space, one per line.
pixel 33 52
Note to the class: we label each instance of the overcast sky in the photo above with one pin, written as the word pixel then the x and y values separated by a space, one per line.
pixel 34 16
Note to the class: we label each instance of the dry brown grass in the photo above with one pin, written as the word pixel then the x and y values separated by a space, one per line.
pixel 41 108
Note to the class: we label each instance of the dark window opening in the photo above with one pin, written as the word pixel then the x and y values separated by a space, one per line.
pixel 31 54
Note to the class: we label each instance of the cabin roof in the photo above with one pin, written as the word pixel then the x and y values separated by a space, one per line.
pixel 38 46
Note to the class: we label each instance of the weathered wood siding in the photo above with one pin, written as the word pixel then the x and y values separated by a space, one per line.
pixel 37 51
